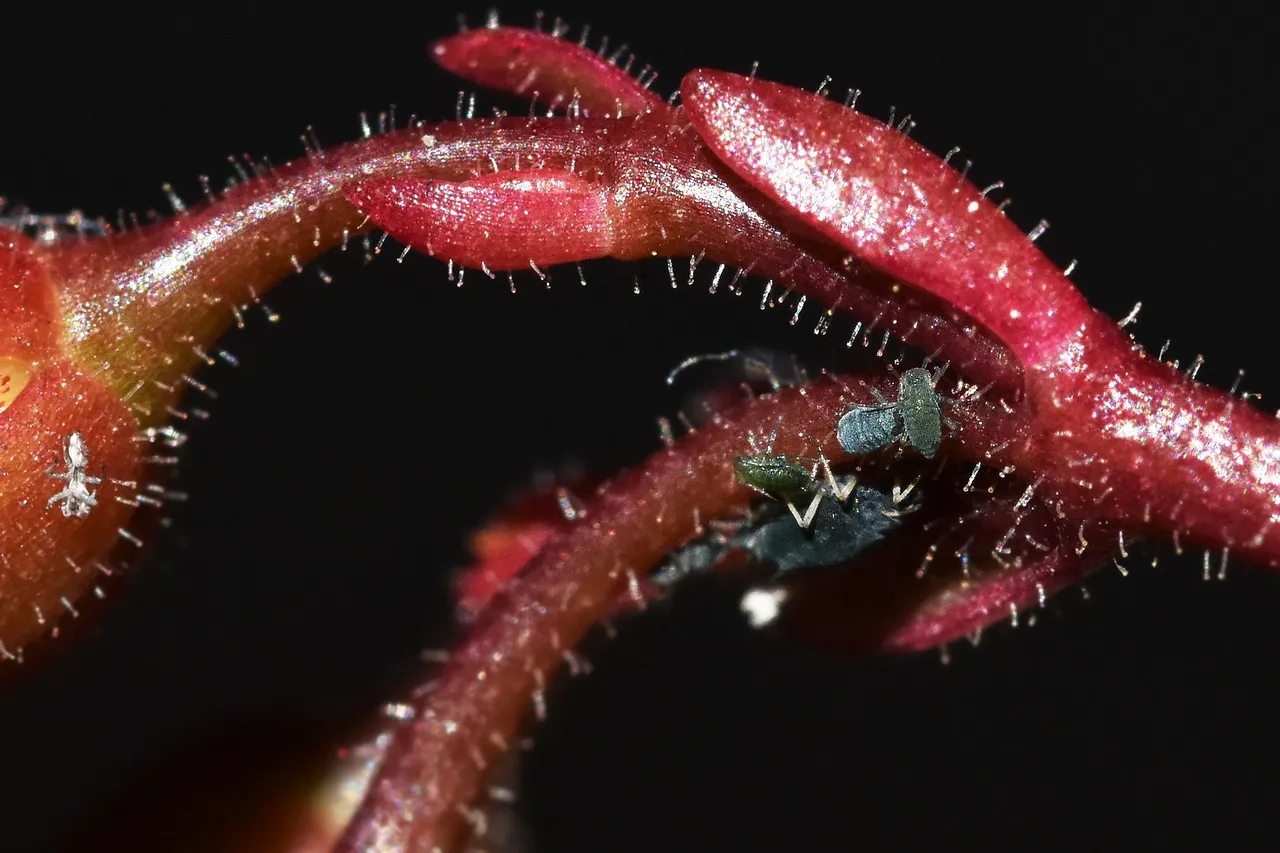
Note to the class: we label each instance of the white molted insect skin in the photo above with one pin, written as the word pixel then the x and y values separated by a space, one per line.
pixel 76 498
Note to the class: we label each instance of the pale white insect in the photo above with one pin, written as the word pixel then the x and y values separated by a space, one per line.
pixel 76 498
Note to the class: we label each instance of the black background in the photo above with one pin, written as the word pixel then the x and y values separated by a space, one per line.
pixel 388 414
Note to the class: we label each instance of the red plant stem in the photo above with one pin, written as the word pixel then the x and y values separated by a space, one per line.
pixel 1112 429
pixel 1103 432
pixel 436 764
pixel 1118 437
pixel 122 295
pixel 133 310
pixel 663 195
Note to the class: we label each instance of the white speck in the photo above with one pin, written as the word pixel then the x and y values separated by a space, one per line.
pixel 762 606
pixel 398 711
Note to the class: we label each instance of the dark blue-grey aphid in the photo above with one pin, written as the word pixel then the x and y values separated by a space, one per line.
pixel 839 533
pixel 915 416
pixel 699 556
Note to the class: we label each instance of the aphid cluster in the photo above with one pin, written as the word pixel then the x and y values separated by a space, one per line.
pixel 841 518
pixel 831 519
pixel 836 533
pixel 832 532
pixel 915 418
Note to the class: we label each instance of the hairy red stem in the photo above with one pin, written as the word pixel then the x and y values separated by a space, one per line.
pixel 438 761
pixel 104 333
pixel 1112 428
pixel 475 709
pixel 134 311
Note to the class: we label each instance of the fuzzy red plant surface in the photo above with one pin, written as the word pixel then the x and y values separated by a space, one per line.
pixel 511 424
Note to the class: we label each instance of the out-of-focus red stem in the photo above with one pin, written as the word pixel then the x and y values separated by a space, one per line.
pixel 438 761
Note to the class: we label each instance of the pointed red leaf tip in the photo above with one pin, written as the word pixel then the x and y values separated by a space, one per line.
pixel 867 609
pixel 503 221
pixel 891 203
pixel 546 68
pixel 971 560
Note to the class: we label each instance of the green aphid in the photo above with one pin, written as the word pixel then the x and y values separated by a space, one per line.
pixel 787 478
pixel 774 474
pixel 921 411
